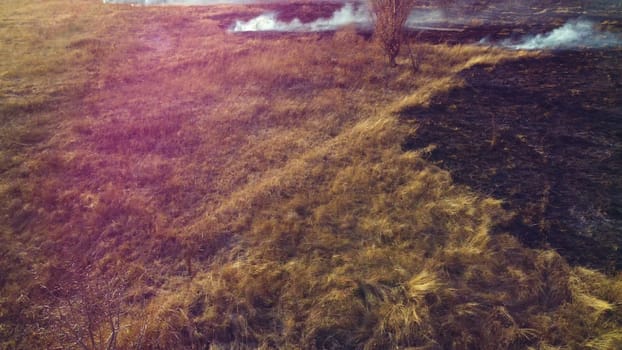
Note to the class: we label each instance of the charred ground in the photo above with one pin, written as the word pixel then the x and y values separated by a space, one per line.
pixel 555 120
pixel 557 154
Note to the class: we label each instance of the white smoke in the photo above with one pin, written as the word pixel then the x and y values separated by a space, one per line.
pixel 574 34
pixel 347 15
pixel 430 18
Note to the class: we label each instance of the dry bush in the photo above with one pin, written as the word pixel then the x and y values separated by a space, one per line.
pixel 389 19
pixel 85 310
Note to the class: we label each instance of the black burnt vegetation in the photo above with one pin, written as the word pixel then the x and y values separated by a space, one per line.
pixel 543 134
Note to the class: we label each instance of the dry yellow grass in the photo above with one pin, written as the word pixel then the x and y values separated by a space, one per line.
pixel 249 191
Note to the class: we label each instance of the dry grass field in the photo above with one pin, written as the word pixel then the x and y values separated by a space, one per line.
pixel 167 184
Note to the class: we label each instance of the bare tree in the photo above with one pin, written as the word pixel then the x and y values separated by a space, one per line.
pixel 86 312
pixel 389 19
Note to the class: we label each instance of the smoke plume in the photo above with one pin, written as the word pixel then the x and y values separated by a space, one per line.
pixel 347 15
pixel 429 18
pixel 578 33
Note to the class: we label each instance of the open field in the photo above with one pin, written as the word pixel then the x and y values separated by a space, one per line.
pixel 167 184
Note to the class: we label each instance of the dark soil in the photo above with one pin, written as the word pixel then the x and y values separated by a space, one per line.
pixel 544 135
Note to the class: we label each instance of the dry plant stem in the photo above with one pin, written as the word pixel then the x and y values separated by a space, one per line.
pixel 389 19
pixel 414 60
pixel 493 127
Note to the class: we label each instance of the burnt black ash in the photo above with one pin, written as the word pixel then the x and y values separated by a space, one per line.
pixel 556 160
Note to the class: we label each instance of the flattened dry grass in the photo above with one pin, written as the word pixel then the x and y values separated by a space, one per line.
pixel 251 192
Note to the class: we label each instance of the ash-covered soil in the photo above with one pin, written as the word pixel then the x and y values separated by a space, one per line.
pixel 545 135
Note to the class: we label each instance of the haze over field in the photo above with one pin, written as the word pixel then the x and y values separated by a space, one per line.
pixel 347 15
pixel 576 33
